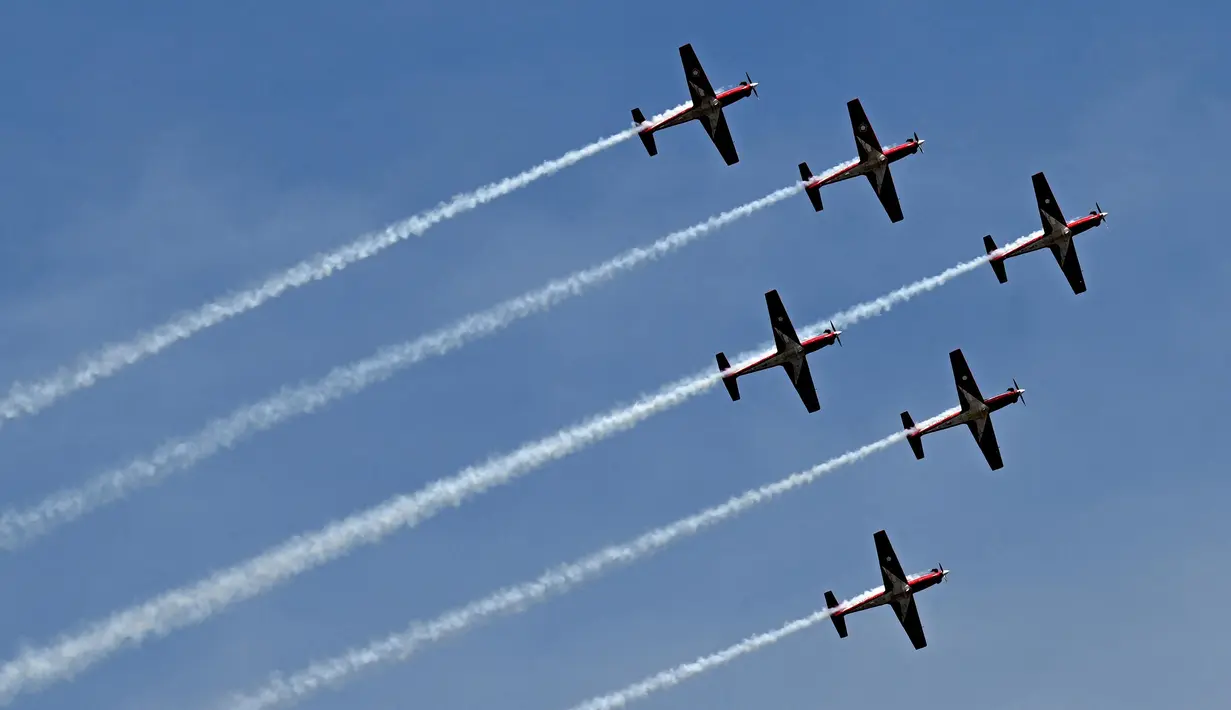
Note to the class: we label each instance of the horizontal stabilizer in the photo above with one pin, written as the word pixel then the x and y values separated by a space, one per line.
pixel 647 137
pixel 916 441
pixel 814 193
pixel 997 264
pixel 839 622
pixel 729 381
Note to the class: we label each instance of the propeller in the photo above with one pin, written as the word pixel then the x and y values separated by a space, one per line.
pixel 834 330
pixel 918 142
pixel 1099 210
pixel 942 571
pixel 1019 391
pixel 751 85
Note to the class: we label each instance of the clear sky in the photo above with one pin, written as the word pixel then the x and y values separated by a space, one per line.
pixel 154 157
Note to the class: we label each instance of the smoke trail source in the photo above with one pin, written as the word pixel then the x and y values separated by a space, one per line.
pixel 399 646
pixel 19 527
pixel 674 676
pixel 182 607
pixel 27 398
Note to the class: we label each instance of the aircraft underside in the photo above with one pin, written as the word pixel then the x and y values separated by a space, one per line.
pixel 957 420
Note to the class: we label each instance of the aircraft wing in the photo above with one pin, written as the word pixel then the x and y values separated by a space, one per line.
pixel 882 184
pixel 891 569
pixel 1049 212
pixel 866 144
pixel 784 332
pixel 908 615
pixel 966 387
pixel 985 437
pixel 721 135
pixel 699 87
pixel 802 380
pixel 1070 266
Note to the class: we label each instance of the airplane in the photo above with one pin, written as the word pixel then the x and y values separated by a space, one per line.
pixel 899 591
pixel 975 413
pixel 791 355
pixel 1057 235
pixel 873 162
pixel 706 107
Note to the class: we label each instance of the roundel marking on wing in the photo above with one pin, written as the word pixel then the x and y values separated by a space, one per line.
pixel 863 126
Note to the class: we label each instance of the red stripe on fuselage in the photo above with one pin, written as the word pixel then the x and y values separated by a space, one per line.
pixel 1018 248
pixel 938 422
pixel 673 119
pixel 754 363
pixel 817 339
pixel 845 173
pixel 1076 227
pixel 862 604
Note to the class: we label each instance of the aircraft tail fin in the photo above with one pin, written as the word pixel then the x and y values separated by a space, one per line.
pixel 729 381
pixel 647 137
pixel 997 264
pixel 814 193
pixel 839 622
pixel 915 441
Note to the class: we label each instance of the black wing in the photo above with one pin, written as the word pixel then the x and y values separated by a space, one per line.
pixel 803 384
pixel 985 437
pixel 887 193
pixel 721 135
pixel 866 143
pixel 965 381
pixel 1070 266
pixel 784 332
pixel 891 569
pixel 1049 212
pixel 699 87
pixel 908 615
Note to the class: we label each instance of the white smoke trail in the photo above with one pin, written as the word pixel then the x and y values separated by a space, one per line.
pixel 30 397
pixel 19 527
pixel 38 667
pixel 674 676
pixel 400 646
pixel 878 306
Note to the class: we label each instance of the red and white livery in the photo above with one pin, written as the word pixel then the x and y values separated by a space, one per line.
pixel 898 591
pixel 975 412
pixel 874 161
pixel 1057 235
pixel 706 107
pixel 791 355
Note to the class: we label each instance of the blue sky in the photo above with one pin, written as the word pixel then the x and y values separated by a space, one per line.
pixel 154 158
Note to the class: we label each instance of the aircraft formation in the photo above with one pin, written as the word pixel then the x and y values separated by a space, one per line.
pixel 162 614
pixel 791 353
